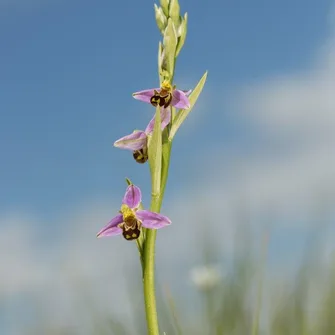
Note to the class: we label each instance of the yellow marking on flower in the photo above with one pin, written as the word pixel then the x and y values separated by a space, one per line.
pixel 166 86
pixel 127 212
pixel 163 97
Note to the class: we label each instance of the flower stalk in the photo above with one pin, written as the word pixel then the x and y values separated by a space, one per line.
pixel 149 256
pixel 154 145
pixel 173 28
pixel 155 162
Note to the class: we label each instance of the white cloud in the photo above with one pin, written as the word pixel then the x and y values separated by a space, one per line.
pixel 54 271
pixel 293 115
pixel 297 104
pixel 60 272
pixel 19 259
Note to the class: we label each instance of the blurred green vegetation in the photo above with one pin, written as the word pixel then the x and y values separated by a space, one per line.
pixel 246 301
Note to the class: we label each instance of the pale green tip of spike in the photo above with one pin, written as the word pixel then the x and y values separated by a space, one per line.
pixel 161 19
pixel 170 41
pixel 182 32
pixel 165 6
pixel 174 12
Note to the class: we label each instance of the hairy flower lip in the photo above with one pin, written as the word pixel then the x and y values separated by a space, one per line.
pixel 129 209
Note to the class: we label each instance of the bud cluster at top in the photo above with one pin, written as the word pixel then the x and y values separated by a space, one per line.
pixel 173 27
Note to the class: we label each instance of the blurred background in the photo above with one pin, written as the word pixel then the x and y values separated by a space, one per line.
pixel 251 188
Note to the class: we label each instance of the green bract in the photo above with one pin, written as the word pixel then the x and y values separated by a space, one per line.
pixel 170 41
pixel 181 116
pixel 165 6
pixel 162 75
pixel 174 12
pixel 182 31
pixel 155 155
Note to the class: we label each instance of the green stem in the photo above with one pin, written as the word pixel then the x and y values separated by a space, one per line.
pixel 149 283
pixel 149 256
pixel 148 264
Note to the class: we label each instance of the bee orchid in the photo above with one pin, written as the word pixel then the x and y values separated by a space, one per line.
pixel 165 96
pixel 130 219
pixel 137 141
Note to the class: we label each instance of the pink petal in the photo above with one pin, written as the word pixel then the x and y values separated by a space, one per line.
pixel 165 119
pixel 152 220
pixel 135 141
pixel 180 99
pixel 111 229
pixel 145 95
pixel 132 197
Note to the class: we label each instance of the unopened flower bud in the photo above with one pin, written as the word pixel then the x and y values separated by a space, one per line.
pixel 182 31
pixel 174 12
pixel 170 41
pixel 161 19
pixel 165 7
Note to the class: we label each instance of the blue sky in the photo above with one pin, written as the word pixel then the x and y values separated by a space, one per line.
pixel 68 71
pixel 259 139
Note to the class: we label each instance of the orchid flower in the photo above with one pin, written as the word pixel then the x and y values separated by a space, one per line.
pixel 131 218
pixel 165 96
pixel 138 140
